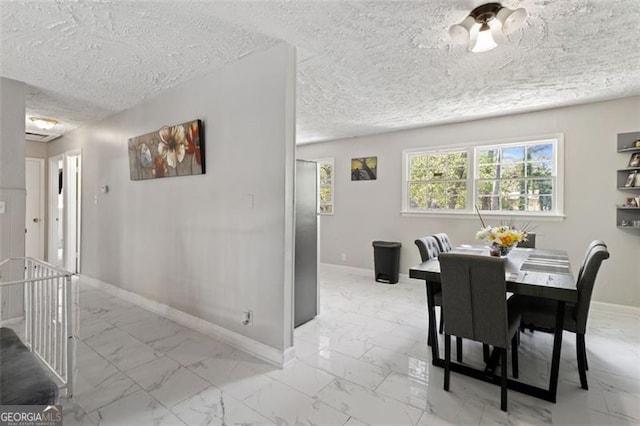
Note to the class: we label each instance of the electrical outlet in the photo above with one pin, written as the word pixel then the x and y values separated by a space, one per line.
pixel 343 257
pixel 247 318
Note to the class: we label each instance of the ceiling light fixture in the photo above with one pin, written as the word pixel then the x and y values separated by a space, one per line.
pixel 486 19
pixel 43 123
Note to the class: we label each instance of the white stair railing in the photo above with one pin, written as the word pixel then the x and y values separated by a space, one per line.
pixel 47 308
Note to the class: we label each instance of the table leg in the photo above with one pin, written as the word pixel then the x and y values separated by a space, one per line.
pixel 557 346
pixel 433 331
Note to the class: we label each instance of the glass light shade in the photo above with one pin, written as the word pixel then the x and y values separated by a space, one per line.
pixel 484 41
pixel 511 19
pixel 461 33
pixel 43 123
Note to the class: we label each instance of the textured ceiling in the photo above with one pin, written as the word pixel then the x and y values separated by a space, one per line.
pixel 363 66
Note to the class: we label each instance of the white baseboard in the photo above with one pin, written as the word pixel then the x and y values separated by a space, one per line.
pixel 402 277
pixel 616 309
pixel 260 350
pixel 12 321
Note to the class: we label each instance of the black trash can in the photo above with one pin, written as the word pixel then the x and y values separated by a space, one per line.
pixel 386 257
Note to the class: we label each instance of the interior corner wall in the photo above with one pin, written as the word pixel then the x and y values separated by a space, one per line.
pixel 370 210
pixel 36 149
pixel 210 245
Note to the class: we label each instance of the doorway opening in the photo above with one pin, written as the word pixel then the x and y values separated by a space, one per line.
pixel 64 210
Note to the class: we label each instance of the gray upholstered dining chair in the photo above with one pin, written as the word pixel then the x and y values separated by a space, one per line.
pixel 530 243
pixel 443 242
pixel 430 249
pixel 475 307
pixel 541 313
pixel 474 303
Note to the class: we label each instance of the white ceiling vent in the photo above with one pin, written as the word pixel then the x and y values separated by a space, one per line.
pixel 40 135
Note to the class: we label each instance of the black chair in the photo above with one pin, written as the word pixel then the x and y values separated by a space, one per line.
pixel 475 307
pixel 541 313
pixel 430 249
pixel 443 242
pixel 530 243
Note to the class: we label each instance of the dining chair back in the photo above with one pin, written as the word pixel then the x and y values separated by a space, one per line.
pixel 591 246
pixel 428 247
pixel 475 307
pixel 585 285
pixel 443 242
pixel 473 297
pixel 530 243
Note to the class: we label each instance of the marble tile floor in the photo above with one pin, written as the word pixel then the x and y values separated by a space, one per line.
pixel 362 361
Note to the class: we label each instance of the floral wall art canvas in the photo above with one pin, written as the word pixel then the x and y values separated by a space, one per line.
pixel 171 151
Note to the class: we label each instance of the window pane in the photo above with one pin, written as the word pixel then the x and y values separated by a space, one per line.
pixel 418 174
pixel 325 186
pixel 488 203
pixel 418 195
pixel 488 171
pixel 513 170
pixel 437 166
pixel 487 156
pixel 457 196
pixel 542 168
pixel 511 202
pixel 540 187
pixel 457 165
pixel 513 154
pixel 539 203
pixel 540 152
pixel 436 196
pixel 490 187
pixel 512 188
pixel 417 162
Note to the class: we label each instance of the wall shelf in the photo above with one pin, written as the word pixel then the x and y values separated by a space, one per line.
pixel 627 216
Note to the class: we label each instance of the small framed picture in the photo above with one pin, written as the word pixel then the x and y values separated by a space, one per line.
pixel 631 180
pixel 637 143
pixel 634 161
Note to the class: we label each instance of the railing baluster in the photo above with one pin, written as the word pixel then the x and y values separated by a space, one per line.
pixel 47 308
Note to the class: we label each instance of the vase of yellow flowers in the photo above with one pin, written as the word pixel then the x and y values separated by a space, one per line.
pixel 501 238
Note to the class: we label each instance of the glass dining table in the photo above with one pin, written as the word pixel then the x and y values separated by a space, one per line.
pixel 533 272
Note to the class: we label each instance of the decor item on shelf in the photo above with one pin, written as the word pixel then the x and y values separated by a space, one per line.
pixel 637 143
pixel 478 28
pixel 171 151
pixel 501 238
pixel 44 123
pixel 631 202
pixel 634 161
pixel 365 168
pixel 631 180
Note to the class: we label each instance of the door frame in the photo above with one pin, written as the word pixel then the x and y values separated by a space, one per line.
pixel 67 211
pixel 53 209
pixel 42 204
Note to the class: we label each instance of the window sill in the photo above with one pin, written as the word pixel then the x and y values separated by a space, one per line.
pixel 551 217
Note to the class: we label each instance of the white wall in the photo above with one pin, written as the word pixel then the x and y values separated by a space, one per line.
pixel 370 210
pixel 12 186
pixel 194 243
pixel 36 149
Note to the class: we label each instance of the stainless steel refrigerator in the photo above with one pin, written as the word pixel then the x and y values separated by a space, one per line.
pixel 306 250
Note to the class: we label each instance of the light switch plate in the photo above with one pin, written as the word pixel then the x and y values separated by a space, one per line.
pixel 2 207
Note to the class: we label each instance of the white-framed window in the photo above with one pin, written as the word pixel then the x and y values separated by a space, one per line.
pixel 325 185
pixel 515 177
pixel 437 180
